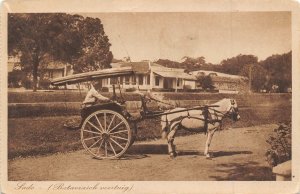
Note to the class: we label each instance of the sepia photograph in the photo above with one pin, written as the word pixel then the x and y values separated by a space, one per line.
pixel 148 96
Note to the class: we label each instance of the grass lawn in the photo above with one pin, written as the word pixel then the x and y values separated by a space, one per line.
pixel 46 135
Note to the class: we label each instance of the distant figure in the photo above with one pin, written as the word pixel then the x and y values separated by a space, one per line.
pixel 93 96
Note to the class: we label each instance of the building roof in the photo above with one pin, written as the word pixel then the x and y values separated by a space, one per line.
pixel 137 67
pixel 174 74
pixel 56 65
pixel 218 74
pixel 145 66
pixel 224 79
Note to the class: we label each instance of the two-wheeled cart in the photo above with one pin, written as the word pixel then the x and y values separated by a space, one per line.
pixel 107 130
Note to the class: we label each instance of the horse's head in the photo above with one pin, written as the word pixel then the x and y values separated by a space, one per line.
pixel 232 110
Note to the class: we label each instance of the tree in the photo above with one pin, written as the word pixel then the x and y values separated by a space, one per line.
pixel 258 76
pixel 39 38
pixel 235 64
pixel 193 64
pixel 279 68
pixel 96 54
pixel 168 63
pixel 205 82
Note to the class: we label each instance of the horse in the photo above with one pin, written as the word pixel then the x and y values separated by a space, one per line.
pixel 206 119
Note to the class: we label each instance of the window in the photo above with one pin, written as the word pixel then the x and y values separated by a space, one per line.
pixel 51 74
pixel 104 81
pixel 113 80
pixel 157 81
pixel 178 82
pixel 141 81
pixel 133 80
pixel 127 78
pixel 148 79
pixel 121 80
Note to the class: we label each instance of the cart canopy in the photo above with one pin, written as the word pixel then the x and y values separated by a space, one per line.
pixel 93 75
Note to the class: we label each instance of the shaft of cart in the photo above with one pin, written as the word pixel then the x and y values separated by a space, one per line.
pixel 157 114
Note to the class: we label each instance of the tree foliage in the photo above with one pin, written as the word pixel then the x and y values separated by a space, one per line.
pixel 258 76
pixel 170 64
pixel 193 63
pixel 274 70
pixel 280 145
pixel 235 64
pixel 42 37
pixel 279 70
pixel 205 82
pixel 188 63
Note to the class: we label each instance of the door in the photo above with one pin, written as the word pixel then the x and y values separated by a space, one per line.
pixel 167 83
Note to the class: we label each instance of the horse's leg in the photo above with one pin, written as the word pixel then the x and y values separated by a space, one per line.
pixel 171 136
pixel 210 135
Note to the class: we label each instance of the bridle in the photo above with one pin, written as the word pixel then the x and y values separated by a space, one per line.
pixel 232 113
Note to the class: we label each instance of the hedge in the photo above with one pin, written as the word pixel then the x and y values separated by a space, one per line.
pixel 60 108
pixel 75 96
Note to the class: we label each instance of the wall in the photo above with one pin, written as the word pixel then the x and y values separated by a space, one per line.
pixel 192 84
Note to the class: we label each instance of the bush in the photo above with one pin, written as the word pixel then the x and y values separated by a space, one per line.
pixel 15 78
pixel 44 84
pixel 187 87
pixel 27 83
pixel 130 90
pixel 163 90
pixel 205 82
pixel 280 142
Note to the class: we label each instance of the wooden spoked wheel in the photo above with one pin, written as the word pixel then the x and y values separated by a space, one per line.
pixel 106 134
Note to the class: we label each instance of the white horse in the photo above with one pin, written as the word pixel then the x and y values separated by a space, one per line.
pixel 201 120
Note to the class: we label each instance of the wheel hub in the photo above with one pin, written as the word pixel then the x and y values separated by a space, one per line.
pixel 105 136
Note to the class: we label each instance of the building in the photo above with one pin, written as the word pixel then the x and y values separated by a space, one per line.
pixel 49 70
pixel 225 83
pixel 149 76
pixel 13 63
pixel 57 69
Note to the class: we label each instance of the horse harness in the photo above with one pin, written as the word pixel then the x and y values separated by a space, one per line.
pixel 208 118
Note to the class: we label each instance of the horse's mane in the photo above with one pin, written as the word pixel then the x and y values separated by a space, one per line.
pixel 223 104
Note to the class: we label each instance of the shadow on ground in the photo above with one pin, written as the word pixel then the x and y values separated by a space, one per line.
pixel 163 149
pixel 148 149
pixel 229 153
pixel 248 171
pixel 214 153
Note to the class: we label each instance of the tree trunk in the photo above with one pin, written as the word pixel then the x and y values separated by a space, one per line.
pixel 35 73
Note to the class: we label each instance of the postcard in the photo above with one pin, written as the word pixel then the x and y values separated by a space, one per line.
pixel 149 96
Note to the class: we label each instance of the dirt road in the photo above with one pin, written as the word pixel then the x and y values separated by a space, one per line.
pixel 238 155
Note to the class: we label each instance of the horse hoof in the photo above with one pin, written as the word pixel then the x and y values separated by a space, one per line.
pixel 173 155
pixel 208 156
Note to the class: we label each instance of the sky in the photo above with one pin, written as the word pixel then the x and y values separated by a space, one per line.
pixel 214 35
